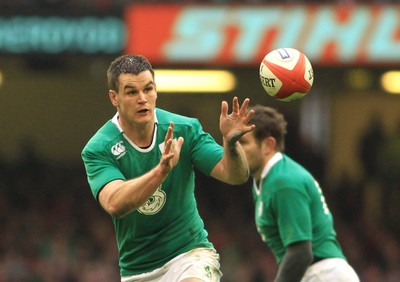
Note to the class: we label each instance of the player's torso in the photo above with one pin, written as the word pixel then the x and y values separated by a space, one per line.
pixel 175 194
pixel 168 223
pixel 284 175
pixel 319 220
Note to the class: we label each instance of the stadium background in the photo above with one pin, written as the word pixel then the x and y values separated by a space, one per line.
pixel 347 132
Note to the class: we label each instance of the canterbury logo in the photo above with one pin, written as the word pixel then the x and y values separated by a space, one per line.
pixel 118 149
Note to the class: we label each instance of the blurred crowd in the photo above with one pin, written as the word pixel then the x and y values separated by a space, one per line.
pixel 52 229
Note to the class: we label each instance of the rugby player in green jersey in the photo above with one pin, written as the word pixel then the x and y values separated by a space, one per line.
pixel 291 214
pixel 140 168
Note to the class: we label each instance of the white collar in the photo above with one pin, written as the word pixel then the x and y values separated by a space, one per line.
pixel 275 158
pixel 116 123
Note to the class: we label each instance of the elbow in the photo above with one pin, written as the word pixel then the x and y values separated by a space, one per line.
pixel 239 182
pixel 241 178
pixel 120 210
pixel 246 176
pixel 116 209
pixel 238 177
pixel 113 210
pixel 114 203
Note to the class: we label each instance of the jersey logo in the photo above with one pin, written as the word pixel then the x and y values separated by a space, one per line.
pixel 155 203
pixel 118 150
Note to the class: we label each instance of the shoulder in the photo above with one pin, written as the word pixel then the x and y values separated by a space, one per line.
pixel 106 136
pixel 294 169
pixel 289 174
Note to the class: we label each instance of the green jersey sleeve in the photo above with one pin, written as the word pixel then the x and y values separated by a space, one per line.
pixel 100 170
pixel 205 152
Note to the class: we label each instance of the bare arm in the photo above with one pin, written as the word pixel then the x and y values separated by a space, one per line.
pixel 233 167
pixel 120 198
pixel 297 258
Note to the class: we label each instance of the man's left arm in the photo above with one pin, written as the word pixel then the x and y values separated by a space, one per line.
pixel 233 167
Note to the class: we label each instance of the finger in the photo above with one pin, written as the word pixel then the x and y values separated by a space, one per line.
pixel 224 108
pixel 243 108
pixel 165 160
pixel 171 127
pixel 248 116
pixel 169 134
pixel 179 143
pixel 235 105
pixel 249 128
pixel 168 145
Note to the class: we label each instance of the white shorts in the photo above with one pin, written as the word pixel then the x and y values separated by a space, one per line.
pixel 201 263
pixel 332 270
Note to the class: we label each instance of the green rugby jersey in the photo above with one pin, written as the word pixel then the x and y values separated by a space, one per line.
pixel 290 207
pixel 169 223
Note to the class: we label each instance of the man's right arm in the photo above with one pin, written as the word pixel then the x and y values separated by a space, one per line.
pixel 120 197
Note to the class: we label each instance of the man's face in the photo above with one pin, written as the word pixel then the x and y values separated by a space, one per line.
pixel 136 98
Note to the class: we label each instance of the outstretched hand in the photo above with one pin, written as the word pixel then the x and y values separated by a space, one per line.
pixel 236 124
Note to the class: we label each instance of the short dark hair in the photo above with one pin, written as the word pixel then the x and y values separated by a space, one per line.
pixel 269 122
pixel 133 64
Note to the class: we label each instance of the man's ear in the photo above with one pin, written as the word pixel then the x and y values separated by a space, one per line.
pixel 113 97
pixel 268 144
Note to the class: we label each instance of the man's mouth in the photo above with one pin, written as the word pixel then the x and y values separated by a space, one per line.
pixel 143 111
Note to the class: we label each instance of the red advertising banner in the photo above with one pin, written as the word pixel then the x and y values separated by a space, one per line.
pixel 242 35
